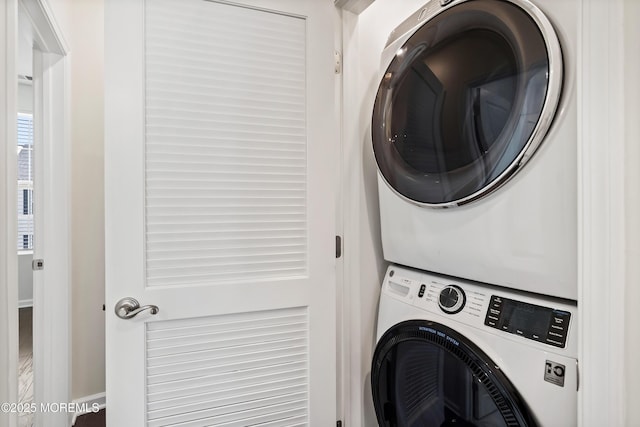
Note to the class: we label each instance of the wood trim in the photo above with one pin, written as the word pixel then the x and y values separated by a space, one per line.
pixel 52 307
pixel 52 324
pixel 25 303
pixel 353 6
pixel 52 293
pixel 48 34
pixel 8 219
pixel 353 390
pixel 601 213
pixel 632 198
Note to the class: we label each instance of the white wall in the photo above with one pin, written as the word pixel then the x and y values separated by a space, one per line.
pixel 87 195
pixel 632 196
pixel 25 279
pixel 25 56
pixel 25 95
pixel 364 38
pixel 62 12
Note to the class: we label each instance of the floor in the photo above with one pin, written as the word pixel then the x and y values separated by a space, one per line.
pixel 25 363
pixel 92 420
pixel 25 373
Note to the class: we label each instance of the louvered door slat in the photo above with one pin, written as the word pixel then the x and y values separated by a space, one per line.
pixel 187 387
pixel 225 132
pixel 228 369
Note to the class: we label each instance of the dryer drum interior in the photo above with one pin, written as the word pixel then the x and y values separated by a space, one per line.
pixel 425 374
pixel 466 100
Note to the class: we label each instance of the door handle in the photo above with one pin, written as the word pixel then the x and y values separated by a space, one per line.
pixel 128 308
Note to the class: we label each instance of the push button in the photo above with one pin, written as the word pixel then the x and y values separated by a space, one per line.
pixel 557 332
pixel 423 288
pixel 561 317
pixel 493 312
pixel 555 342
pixel 556 339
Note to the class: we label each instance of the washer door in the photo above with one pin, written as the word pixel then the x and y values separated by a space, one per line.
pixel 466 100
pixel 425 374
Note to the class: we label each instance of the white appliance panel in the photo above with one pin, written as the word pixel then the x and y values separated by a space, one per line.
pixel 522 360
pixel 522 235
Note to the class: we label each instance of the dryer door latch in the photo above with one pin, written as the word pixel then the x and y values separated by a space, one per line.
pixel 338 246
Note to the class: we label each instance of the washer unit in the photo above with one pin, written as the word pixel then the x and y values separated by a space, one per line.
pixel 452 352
pixel 470 90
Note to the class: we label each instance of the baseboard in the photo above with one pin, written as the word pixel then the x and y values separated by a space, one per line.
pixel 25 303
pixel 87 403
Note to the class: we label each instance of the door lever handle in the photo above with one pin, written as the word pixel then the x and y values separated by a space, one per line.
pixel 128 308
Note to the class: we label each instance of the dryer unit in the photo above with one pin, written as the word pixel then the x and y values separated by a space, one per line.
pixel 456 353
pixel 469 91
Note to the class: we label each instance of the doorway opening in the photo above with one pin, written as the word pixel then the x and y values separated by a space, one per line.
pixel 25 167
pixel 35 197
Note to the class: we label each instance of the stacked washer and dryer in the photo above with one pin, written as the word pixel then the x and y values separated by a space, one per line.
pixel 474 135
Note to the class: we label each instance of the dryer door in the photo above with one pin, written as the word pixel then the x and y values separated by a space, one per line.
pixel 425 374
pixel 466 100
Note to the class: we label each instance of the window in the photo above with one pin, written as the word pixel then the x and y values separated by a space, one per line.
pixel 27 241
pixel 27 202
pixel 25 181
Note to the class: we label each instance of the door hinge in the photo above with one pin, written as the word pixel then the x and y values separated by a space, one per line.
pixel 37 264
pixel 338 246
pixel 337 56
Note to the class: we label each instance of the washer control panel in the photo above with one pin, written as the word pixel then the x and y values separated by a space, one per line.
pixel 452 299
pixel 543 321
pixel 535 322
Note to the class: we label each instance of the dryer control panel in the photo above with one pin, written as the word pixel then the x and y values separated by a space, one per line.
pixel 535 322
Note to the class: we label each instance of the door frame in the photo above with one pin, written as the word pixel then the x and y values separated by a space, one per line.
pixel 608 206
pixel 8 222
pixel 51 322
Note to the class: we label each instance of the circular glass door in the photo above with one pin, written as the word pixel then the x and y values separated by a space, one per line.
pixel 466 101
pixel 425 374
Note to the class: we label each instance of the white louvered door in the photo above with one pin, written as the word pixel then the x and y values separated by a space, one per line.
pixel 221 154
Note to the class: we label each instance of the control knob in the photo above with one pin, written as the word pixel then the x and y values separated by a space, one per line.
pixel 452 299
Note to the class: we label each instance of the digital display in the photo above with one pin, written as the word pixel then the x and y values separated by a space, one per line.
pixel 530 321
pixel 525 319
